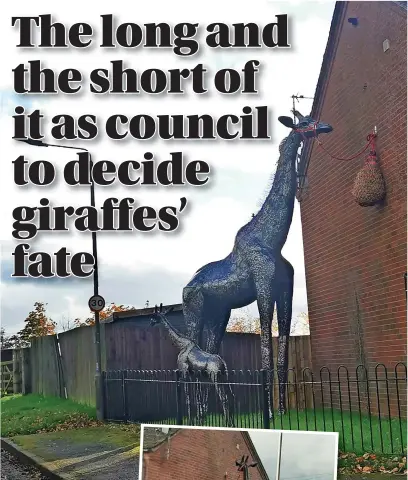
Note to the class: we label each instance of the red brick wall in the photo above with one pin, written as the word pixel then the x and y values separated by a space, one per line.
pixel 198 455
pixel 355 257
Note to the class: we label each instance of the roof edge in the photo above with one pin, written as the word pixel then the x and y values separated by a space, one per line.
pixel 156 446
pixel 139 312
pixel 327 62
pixel 329 55
pixel 142 312
pixel 255 455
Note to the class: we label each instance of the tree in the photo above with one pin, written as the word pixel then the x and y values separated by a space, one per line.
pixel 103 315
pixel 244 322
pixel 37 324
pixel 10 341
pixel 300 324
pixel 65 324
pixel 244 325
pixel 17 342
pixel 5 340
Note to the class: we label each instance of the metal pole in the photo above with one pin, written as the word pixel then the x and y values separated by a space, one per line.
pixel 278 466
pixel 100 413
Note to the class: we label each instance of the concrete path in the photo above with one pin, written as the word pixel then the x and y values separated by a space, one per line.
pixel 98 453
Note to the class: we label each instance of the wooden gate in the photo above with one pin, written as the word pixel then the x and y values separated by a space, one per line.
pixel 6 379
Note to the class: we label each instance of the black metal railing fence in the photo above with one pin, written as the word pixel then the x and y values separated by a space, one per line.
pixel 367 408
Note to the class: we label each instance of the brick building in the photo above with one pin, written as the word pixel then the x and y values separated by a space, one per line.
pixel 202 454
pixel 355 257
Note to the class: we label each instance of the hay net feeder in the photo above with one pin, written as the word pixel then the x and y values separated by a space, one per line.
pixel 369 185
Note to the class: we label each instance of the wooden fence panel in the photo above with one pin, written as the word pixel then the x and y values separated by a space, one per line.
pixel 146 348
pixel 46 375
pixel 137 348
pixel 127 346
pixel 78 363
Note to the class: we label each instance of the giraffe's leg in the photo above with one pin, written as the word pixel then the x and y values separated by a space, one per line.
pixel 264 270
pixel 193 311
pixel 284 313
pixel 215 334
pixel 266 315
pixel 183 367
pixel 216 329
pixel 187 397
pixel 225 392
pixel 200 400
pixel 226 395
pixel 227 405
pixel 201 396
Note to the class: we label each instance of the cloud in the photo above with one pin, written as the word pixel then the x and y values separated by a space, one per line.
pixel 68 298
pixel 308 455
pixel 304 455
pixel 301 9
pixel 136 267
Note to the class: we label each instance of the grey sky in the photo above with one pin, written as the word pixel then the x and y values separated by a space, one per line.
pixel 304 455
pixel 138 267
pixel 266 444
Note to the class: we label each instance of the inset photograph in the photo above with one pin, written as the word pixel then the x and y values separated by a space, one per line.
pixel 202 453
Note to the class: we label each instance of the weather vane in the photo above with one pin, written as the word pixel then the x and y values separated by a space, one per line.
pixel 296 98
pixel 243 466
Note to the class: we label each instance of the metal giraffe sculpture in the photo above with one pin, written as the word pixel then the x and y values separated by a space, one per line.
pixel 193 360
pixel 255 269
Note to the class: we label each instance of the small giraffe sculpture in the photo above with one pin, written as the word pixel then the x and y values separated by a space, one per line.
pixel 255 269
pixel 192 360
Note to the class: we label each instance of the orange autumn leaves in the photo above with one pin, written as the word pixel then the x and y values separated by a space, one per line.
pixel 103 315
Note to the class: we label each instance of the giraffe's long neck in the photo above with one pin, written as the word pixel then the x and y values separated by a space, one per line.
pixel 272 223
pixel 176 337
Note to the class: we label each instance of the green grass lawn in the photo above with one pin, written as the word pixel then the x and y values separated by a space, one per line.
pixel 356 434
pixel 21 415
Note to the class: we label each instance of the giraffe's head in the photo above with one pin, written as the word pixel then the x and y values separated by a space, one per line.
pixel 159 315
pixel 306 125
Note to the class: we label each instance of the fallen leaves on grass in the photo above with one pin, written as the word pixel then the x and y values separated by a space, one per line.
pixel 371 463
pixel 73 421
pixel 80 420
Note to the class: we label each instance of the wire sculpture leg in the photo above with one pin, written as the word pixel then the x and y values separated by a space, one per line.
pixel 284 314
pixel 227 399
pixel 220 317
pixel 188 402
pixel 200 403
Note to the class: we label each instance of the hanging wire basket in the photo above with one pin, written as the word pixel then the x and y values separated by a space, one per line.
pixel 369 184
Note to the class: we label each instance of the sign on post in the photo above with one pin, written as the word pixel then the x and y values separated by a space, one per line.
pixel 96 303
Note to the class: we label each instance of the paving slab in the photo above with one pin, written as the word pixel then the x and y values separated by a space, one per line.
pixel 100 453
